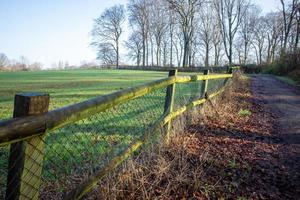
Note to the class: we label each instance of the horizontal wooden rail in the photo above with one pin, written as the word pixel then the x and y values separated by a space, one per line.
pixel 17 129
pixel 87 185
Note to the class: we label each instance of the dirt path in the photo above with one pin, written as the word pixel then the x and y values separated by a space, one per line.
pixel 284 101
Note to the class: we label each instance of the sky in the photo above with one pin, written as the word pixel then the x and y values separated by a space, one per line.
pixel 49 31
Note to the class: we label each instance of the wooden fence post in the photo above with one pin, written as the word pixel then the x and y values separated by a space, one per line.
pixel 204 85
pixel 169 103
pixel 26 157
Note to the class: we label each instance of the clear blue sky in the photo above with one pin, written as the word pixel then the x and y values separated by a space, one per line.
pixel 53 30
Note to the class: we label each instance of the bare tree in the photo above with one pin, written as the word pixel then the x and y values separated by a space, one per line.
pixel 186 11
pixel 230 14
pixel 273 32
pixel 23 63
pixel 134 46
pixel 4 62
pixel 296 30
pixel 106 53
pixel 178 45
pixel 158 26
pixel 35 66
pixel 259 39
pixel 217 30
pixel 206 30
pixel 139 20
pixel 289 13
pixel 246 32
pixel 107 32
pixel 171 24
pixel 217 41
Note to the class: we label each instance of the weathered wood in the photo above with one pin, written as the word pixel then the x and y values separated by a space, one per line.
pixel 204 77
pixel 18 129
pixel 183 109
pixel 26 157
pixel 204 84
pixel 88 184
pixel 169 101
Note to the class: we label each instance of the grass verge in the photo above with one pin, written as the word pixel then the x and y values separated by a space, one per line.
pixel 287 80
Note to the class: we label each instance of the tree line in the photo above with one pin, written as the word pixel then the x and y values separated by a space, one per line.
pixel 22 64
pixel 186 33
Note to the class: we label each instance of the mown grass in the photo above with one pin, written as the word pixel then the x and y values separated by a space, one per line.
pixel 69 147
pixel 67 87
pixel 79 149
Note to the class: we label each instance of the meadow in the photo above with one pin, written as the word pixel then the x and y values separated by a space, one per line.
pixel 79 149
pixel 68 87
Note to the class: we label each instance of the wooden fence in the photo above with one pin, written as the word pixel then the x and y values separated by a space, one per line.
pixel 25 132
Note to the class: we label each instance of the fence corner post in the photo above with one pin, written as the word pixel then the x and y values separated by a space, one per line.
pixel 204 85
pixel 26 157
pixel 169 101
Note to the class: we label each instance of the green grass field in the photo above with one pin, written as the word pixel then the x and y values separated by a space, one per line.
pixel 79 148
pixel 69 146
pixel 287 80
pixel 68 87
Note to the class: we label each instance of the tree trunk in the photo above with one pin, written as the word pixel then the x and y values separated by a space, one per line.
pixel 206 55
pixel 216 62
pixel 117 44
pixel 152 52
pixel 297 36
pixel 185 51
pixel 171 50
pixel 138 60
pixel 230 50
pixel 158 55
pixel 147 51
pixel 185 55
pixel 144 51
pixel 165 55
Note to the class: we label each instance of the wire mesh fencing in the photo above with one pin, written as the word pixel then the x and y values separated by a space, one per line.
pixel 62 159
pixel 78 150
